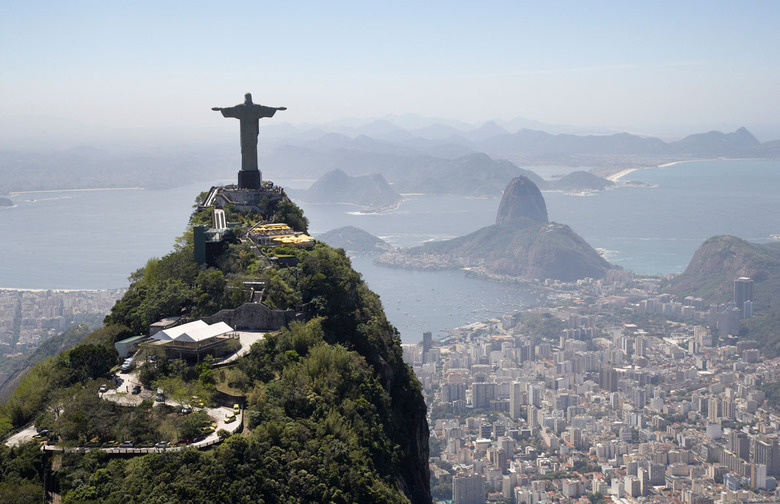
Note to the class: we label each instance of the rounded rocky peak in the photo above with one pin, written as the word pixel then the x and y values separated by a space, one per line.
pixel 522 198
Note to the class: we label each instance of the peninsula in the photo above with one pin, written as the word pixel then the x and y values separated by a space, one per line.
pixel 521 245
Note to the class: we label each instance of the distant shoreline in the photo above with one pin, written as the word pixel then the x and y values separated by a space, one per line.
pixel 362 209
pixel 16 193
pixel 617 176
pixel 622 173
pixel 711 159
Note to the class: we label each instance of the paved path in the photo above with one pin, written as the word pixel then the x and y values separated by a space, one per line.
pixel 218 414
pixel 22 436
pixel 122 395
pixel 247 339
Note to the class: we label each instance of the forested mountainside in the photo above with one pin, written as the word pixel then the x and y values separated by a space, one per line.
pixel 332 413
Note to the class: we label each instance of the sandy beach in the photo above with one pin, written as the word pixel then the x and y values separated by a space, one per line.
pixel 617 176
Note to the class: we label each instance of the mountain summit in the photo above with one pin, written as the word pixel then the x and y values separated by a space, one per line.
pixel 521 198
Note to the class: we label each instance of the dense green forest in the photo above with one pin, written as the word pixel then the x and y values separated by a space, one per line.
pixel 332 412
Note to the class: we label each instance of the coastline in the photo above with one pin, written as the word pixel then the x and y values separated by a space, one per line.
pixel 617 176
pixel 710 159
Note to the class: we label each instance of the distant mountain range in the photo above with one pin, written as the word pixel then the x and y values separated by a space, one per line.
pixel 435 157
pixel 531 147
pixel 481 162
pixel 527 146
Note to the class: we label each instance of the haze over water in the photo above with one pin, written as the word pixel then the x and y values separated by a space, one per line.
pixel 95 239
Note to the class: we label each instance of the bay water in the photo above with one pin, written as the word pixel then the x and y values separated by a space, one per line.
pixel 95 239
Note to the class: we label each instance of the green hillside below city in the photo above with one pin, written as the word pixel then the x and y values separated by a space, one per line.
pixel 711 273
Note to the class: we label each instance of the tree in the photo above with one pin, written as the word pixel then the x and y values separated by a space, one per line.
pixel 289 213
pixel 209 291
pixel 90 361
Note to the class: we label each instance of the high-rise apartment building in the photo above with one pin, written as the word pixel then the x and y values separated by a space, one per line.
pixel 468 489
pixel 743 291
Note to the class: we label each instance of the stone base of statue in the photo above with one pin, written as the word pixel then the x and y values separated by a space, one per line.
pixel 244 199
pixel 249 179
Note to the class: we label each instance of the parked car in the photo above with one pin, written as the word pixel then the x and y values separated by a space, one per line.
pixel 230 418
pixel 136 389
pixel 186 410
pixel 236 409
pixel 160 397
pixel 127 365
pixel 162 444
pixel 103 388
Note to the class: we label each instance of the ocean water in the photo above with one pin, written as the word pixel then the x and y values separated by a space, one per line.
pixel 656 229
pixel 88 239
pixel 95 239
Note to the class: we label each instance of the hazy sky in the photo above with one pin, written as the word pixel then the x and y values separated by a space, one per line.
pixel 653 67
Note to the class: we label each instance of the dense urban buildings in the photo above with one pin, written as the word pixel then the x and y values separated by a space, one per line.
pixel 28 317
pixel 631 396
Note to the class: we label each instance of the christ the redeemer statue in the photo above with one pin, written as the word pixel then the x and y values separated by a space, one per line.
pixel 249 114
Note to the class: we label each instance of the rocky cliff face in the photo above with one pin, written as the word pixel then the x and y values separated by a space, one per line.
pixel 521 199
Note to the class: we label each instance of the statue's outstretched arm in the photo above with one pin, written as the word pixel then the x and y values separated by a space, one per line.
pixel 235 112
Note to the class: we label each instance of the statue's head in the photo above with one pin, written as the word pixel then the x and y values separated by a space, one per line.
pixel 248 98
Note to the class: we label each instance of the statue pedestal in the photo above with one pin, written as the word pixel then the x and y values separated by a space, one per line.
pixel 249 179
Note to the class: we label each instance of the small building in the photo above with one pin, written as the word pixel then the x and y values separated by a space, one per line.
pixel 270 234
pixel 163 324
pixel 194 339
pixel 129 346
